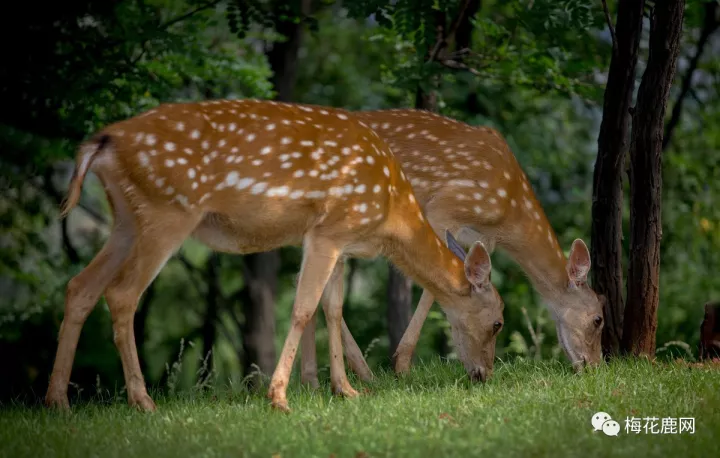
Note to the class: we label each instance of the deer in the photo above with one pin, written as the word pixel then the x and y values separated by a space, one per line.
pixel 469 182
pixel 249 175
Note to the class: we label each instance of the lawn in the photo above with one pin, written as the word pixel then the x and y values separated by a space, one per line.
pixel 527 409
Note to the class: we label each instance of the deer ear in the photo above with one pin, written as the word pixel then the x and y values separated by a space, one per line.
pixel 454 246
pixel 578 264
pixel 478 266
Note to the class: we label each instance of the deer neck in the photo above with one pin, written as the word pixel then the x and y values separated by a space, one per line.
pixel 544 262
pixel 418 252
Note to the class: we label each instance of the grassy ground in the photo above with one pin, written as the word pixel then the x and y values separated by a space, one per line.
pixel 528 409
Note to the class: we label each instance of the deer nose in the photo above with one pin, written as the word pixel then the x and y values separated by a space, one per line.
pixel 479 374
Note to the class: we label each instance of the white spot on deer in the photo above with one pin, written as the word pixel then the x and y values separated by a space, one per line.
pixel 313 173
pixel 278 191
pixel 315 194
pixel 257 162
pixel 195 134
pixel 299 173
pixel 506 175
pixel 360 189
pixel 182 161
pixel 330 143
pixel 536 215
pixel 492 200
pixel 528 204
pixel 501 192
pixel 150 139
pixel 364 220
pixel 258 188
pixel 286 140
pixel 159 182
pixel 386 171
pixel 180 126
pixel 144 159
pixel 465 183
pixel 232 178
pixel 244 183
pixel 307 142
pixel 191 173
pixel 188 151
pixel 411 198
pixel 286 165
pixel 477 209
pixel 266 150
pixel 342 116
pixel 297 194
pixel 513 202
pixel 249 137
pixel 346 151
pixel 376 189
pixel 194 185
pixel 232 126
pixel 222 143
pixel 203 178
pixel 169 163
pixel 483 184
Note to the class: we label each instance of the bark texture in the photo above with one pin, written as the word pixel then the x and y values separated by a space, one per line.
pixel 640 321
pixel 607 204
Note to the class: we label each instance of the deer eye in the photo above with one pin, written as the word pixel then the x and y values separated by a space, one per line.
pixel 597 321
pixel 496 327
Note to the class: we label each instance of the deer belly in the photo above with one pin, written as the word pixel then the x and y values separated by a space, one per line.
pixel 246 235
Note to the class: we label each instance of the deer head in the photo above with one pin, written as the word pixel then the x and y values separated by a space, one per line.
pixel 476 314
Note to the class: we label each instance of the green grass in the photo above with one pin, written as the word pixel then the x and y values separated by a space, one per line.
pixel 527 409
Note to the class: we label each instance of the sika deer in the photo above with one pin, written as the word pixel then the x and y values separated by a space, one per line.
pixel 245 176
pixel 468 181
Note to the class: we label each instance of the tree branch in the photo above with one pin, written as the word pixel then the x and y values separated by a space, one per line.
pixel 460 66
pixel 442 40
pixel 610 25
pixel 187 15
pixel 710 25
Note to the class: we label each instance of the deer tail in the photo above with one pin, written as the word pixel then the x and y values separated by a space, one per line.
pixel 86 154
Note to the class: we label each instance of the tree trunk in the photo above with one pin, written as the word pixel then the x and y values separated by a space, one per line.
pixel 258 331
pixel 262 269
pixel 607 206
pixel 399 308
pixel 646 178
pixel 212 297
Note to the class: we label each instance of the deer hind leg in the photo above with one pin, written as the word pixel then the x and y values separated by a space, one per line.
pixel 319 259
pixel 308 356
pixel 154 245
pixel 406 347
pixel 83 292
pixel 355 357
pixel 332 301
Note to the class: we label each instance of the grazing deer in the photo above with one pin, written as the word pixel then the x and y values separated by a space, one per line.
pixel 468 181
pixel 245 176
